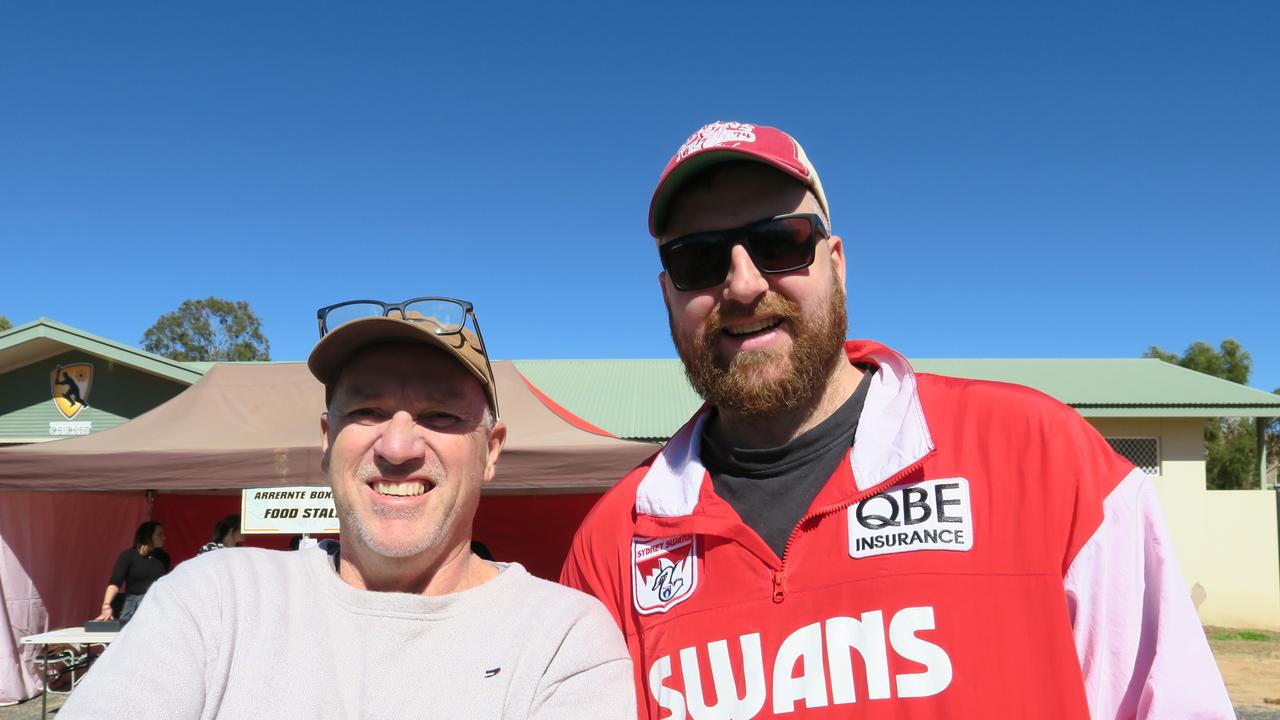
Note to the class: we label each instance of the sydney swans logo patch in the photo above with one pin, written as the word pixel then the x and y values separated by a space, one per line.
pixel 70 386
pixel 932 515
pixel 664 572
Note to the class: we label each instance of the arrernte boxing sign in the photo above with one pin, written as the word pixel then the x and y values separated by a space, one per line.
pixel 288 510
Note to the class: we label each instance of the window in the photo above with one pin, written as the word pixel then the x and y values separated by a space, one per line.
pixel 1143 452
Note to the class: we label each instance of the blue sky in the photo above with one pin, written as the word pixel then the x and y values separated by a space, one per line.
pixel 1011 180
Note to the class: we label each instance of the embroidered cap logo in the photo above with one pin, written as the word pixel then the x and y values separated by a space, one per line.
pixel 716 134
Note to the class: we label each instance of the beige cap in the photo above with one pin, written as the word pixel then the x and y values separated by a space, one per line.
pixel 333 351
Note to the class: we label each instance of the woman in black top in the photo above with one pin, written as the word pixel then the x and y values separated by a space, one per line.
pixel 136 569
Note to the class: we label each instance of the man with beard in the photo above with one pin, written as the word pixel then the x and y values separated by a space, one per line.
pixel 835 535
pixel 406 621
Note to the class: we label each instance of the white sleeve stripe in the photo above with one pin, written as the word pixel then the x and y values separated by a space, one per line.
pixel 1142 650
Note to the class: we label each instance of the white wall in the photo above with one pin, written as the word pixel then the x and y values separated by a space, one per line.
pixel 1225 539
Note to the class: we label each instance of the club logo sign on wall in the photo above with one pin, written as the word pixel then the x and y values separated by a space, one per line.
pixel 70 385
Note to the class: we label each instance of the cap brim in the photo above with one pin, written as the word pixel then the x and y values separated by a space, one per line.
pixel 692 165
pixel 336 348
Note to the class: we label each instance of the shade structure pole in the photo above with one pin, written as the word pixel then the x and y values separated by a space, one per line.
pixel 1261 424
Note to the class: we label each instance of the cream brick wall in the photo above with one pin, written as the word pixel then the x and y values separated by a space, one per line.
pixel 1225 539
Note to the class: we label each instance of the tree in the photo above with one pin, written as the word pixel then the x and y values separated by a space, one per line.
pixel 1231 444
pixel 4 323
pixel 211 329
pixel 1231 362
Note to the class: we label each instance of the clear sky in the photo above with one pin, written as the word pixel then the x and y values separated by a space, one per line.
pixel 1011 179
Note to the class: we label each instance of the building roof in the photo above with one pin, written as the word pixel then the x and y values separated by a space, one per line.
pixel 44 338
pixel 254 425
pixel 1119 387
pixel 642 399
pixel 651 398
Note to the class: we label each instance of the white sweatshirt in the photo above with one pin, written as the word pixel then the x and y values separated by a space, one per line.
pixel 248 633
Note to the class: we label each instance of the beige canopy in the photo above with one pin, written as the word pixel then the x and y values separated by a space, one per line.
pixel 257 425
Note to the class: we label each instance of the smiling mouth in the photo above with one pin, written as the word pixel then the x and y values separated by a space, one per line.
pixel 753 328
pixel 405 488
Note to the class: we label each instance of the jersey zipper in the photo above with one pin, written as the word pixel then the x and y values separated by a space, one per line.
pixel 780 574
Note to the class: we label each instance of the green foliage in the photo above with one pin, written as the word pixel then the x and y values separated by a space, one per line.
pixel 1231 444
pixel 1231 460
pixel 1253 635
pixel 212 329
pixel 4 323
pixel 1229 362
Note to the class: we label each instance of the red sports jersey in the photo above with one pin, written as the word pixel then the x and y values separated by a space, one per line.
pixel 982 554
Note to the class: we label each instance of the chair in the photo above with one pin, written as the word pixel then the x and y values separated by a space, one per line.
pixel 64 665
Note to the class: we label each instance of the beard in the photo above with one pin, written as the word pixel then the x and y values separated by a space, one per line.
pixel 748 383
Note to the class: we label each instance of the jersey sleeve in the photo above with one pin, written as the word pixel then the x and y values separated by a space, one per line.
pixel 1143 653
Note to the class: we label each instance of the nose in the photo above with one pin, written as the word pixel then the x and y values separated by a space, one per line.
pixel 400 441
pixel 745 283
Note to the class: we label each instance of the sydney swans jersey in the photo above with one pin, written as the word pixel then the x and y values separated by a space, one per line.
pixel 983 553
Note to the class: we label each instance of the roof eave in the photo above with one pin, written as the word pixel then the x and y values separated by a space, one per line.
pixel 111 350
pixel 1189 410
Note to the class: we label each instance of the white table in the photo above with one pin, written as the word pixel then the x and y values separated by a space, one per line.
pixel 68 636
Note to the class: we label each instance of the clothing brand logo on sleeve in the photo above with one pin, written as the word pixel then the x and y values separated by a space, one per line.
pixel 664 572
pixel 932 515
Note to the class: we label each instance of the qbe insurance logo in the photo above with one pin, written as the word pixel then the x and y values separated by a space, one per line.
pixel 932 515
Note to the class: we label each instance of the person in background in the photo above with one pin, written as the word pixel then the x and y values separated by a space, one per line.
pixel 226 534
pixel 135 570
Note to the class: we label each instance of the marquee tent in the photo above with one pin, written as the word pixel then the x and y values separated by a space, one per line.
pixel 256 425
pixel 241 426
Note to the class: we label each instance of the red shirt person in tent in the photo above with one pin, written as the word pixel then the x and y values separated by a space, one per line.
pixel 834 535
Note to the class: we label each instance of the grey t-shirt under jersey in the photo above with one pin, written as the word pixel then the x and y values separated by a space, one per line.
pixel 771 488
pixel 250 633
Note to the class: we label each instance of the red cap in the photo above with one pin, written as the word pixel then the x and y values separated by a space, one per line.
pixel 724 141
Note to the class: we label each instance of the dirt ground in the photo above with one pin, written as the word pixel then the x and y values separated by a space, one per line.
pixel 1250 668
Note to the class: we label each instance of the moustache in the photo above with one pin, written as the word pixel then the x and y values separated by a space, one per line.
pixel 771 304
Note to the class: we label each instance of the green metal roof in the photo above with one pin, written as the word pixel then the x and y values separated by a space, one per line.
pixel 630 398
pixel 651 398
pixel 1119 387
pixel 45 338
pixel 200 366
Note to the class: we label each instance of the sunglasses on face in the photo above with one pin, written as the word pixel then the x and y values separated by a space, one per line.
pixel 779 244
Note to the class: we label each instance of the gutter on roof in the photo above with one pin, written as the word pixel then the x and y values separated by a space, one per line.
pixel 1232 406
